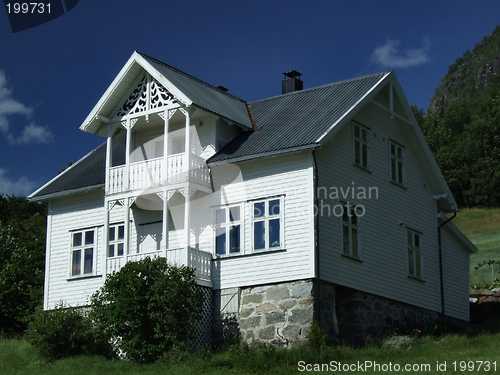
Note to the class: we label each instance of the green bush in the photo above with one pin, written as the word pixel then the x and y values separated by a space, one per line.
pixel 64 332
pixel 316 336
pixel 148 308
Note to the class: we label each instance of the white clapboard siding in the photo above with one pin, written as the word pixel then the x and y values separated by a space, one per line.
pixel 456 277
pixel 383 268
pixel 290 176
pixel 70 214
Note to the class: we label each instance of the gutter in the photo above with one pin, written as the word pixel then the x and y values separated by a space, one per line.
pixel 440 255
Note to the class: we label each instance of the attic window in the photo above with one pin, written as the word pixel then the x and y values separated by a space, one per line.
pixel 397 163
pixel 361 146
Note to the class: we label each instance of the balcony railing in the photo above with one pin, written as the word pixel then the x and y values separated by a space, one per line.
pixel 153 172
pixel 198 259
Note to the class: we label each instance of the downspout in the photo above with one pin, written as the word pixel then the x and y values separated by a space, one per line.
pixel 440 254
pixel 316 237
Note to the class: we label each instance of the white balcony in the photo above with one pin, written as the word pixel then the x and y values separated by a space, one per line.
pixel 153 172
pixel 198 259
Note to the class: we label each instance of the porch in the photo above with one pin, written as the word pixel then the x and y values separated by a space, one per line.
pixel 157 172
pixel 188 256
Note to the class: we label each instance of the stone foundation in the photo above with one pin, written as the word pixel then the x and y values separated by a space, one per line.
pixel 280 314
pixel 352 316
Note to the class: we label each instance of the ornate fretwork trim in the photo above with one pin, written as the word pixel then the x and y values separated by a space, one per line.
pixel 149 94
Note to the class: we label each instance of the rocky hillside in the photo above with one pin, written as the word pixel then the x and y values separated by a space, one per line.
pixel 470 74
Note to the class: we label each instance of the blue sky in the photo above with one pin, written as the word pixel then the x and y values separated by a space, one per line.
pixel 52 75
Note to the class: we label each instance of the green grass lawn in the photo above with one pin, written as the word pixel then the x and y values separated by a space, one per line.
pixel 482 227
pixel 19 357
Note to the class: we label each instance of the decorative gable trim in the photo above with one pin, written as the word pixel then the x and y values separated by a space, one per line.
pixel 148 95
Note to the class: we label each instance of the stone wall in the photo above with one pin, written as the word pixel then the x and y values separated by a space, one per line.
pixel 279 313
pixel 352 316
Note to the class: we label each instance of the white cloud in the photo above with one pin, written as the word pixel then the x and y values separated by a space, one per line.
pixel 390 56
pixel 8 107
pixel 34 133
pixel 19 188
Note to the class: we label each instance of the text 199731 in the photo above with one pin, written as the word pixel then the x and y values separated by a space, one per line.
pixel 28 8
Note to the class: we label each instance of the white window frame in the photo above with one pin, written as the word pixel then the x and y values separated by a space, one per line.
pixel 229 222
pixel 350 228
pixel 361 146
pixel 261 207
pixel 397 165
pixel 116 241
pixel 82 247
pixel 414 246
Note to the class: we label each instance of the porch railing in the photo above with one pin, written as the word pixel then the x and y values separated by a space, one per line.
pixel 153 172
pixel 198 259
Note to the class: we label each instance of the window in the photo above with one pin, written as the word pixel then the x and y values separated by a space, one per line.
pixel 397 163
pixel 267 216
pixel 350 231
pixel 361 146
pixel 228 230
pixel 82 252
pixel 414 245
pixel 116 240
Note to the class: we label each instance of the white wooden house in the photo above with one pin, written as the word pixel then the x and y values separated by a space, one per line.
pixel 323 203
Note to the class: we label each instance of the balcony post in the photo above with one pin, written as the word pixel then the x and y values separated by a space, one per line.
pixel 109 156
pixel 165 171
pixel 105 235
pixel 126 227
pixel 164 237
pixel 187 146
pixel 127 155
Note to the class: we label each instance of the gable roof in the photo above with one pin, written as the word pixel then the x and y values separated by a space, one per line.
pixel 298 120
pixel 186 89
pixel 86 174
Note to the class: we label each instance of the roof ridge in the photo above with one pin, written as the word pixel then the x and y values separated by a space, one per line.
pixel 381 73
pixel 190 76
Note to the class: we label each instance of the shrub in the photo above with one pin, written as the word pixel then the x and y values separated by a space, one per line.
pixel 64 332
pixel 148 308
pixel 316 336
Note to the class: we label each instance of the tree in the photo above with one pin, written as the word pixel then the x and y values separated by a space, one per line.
pixel 22 261
pixel 148 308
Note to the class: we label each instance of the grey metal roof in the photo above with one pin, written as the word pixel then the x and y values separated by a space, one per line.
pixel 297 120
pixel 204 95
pixel 85 174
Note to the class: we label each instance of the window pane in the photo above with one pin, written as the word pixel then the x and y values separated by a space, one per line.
pixel 220 241
pixel 234 213
pixel 418 266
pixel 364 135
pixel 220 216
pixel 365 155
pixel 393 169
pixel 411 269
pixel 356 131
pixel 76 262
pixel 354 217
pixel 120 249
pixel 77 239
pixel 274 233
pixel 111 251
pixel 409 239
pixel 259 235
pixel 393 150
pixel 88 260
pixel 121 232
pixel 234 239
pixel 400 172
pixel 417 241
pixel 345 212
pixel 345 238
pixel 354 233
pixel 112 233
pixel 89 237
pixel 274 207
pixel 357 159
pixel 259 209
